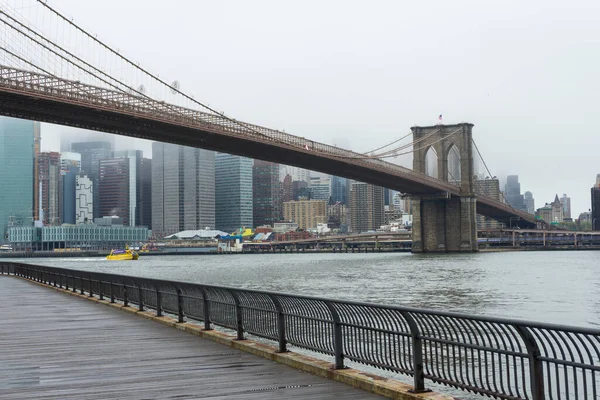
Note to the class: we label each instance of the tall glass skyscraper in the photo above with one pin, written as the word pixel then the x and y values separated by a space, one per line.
pixel 266 205
pixel 183 189
pixel 339 191
pixel 16 174
pixel 233 192
pixel 91 154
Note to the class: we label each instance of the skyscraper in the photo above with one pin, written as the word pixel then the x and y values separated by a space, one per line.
pixel 596 205
pixel 84 195
pixel 287 192
pixel 140 175
pixel 69 169
pixel 529 202
pixel 183 189
pixel 114 184
pixel 91 154
pixel 16 174
pixel 512 193
pixel 566 206
pixel 320 188
pixel 233 192
pixel 49 180
pixel 144 206
pixel 366 207
pixel 339 192
pixel 266 203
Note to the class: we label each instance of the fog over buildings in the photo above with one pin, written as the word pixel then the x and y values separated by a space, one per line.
pixel 360 74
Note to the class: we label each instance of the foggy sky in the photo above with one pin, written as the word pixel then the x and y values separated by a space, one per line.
pixel 360 74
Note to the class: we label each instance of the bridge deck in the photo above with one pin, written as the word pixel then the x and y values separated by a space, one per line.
pixel 53 346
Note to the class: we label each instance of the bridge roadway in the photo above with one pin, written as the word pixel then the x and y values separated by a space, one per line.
pixel 29 95
pixel 53 346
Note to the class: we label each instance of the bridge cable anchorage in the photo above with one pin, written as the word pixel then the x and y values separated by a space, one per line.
pixel 156 78
pixel 490 175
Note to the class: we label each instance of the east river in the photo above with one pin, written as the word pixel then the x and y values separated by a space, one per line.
pixel 558 287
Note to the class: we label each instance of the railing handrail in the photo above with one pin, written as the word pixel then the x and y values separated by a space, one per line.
pixel 424 342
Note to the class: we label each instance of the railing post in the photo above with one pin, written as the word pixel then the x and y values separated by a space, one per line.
pixel 280 324
pixel 417 351
pixel 91 291
pixel 54 280
pixel 112 292
pixel 338 343
pixel 180 316
pixel 81 285
pixel 158 303
pixel 125 298
pixel 206 309
pixel 140 298
pixel 238 315
pixel 100 291
pixel 536 372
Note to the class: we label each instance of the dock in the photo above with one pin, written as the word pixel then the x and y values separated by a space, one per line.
pixel 54 346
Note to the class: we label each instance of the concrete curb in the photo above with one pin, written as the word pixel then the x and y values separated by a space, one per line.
pixel 371 383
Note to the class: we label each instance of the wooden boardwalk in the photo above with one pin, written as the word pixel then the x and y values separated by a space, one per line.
pixel 54 346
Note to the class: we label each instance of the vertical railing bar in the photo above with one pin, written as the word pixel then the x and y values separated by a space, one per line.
pixel 338 343
pixel 280 324
pixel 535 364
pixel 238 315
pixel 206 307
pixel 417 351
pixel 180 315
pixel 159 312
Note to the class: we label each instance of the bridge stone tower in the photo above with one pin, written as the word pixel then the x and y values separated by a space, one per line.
pixel 441 222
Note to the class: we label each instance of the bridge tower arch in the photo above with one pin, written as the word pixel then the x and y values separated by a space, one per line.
pixel 442 223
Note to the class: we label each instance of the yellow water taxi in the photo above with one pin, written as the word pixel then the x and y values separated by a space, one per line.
pixel 122 255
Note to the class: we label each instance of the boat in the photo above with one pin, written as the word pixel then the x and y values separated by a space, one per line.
pixel 123 255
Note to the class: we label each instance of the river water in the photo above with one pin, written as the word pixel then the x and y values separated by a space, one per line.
pixel 558 287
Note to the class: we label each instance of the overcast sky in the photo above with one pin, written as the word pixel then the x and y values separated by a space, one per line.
pixel 360 74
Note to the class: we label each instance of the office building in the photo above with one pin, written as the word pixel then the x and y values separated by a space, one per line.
pixel 16 175
pixel 37 143
pixel 512 193
pixel 49 170
pixel 91 154
pixel 287 189
pixel 320 188
pixel 306 213
pixel 366 207
pixel 144 205
pixel 183 189
pixel 140 177
pixel 84 198
pixel 114 185
pixel 595 217
pixel 266 203
pixel 339 191
pixel 233 192
pixel 529 202
pixel 70 164
pixel 565 202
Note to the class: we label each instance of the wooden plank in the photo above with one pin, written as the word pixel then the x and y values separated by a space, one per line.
pixel 54 346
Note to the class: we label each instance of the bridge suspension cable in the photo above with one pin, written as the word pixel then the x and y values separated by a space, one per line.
pixel 490 175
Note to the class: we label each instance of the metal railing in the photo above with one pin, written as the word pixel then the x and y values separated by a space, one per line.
pixel 497 357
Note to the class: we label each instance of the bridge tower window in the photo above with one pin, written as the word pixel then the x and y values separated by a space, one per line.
pixel 431 163
pixel 454 165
